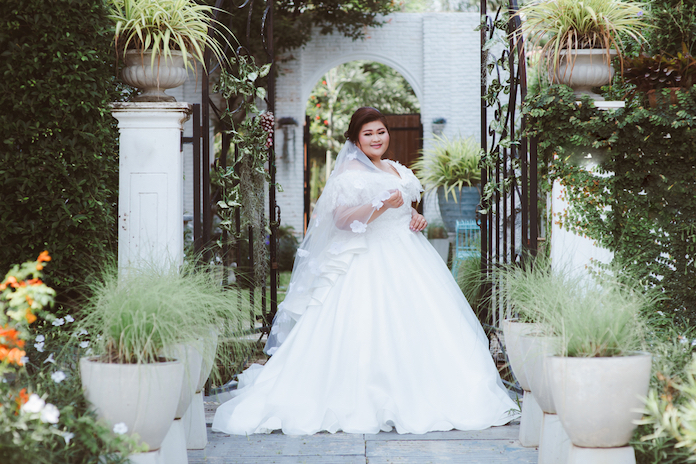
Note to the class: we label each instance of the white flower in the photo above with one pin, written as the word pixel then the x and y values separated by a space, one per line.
pixel 68 436
pixel 84 344
pixel 40 338
pixel 302 253
pixel 120 428
pixel 50 414
pixel 58 376
pixel 69 318
pixel 59 321
pixel 39 346
pixel 352 155
pixel 50 359
pixel 80 333
pixel 358 227
pixel 34 404
pixel 379 200
pixel 23 360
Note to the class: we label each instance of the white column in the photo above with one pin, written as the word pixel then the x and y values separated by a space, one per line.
pixel 151 179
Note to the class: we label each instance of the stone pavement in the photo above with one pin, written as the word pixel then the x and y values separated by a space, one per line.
pixel 494 445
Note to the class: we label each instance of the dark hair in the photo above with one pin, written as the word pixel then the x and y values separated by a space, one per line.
pixel 362 116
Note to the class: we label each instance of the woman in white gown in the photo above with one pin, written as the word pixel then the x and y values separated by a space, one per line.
pixel 374 332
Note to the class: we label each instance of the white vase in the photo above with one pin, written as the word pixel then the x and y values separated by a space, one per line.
pixel 142 396
pixel 597 399
pixel 167 73
pixel 513 331
pixel 192 359
pixel 584 70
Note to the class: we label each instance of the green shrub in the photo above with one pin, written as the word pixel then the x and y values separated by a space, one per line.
pixel 58 158
pixel 645 212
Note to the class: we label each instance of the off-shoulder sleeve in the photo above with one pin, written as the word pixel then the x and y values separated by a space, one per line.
pixel 347 189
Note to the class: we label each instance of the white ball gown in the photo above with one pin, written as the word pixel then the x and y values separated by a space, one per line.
pixel 386 338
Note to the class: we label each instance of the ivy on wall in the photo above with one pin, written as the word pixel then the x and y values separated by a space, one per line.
pixel 646 211
pixel 58 157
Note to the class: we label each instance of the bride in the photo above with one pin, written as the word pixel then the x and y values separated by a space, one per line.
pixel 374 332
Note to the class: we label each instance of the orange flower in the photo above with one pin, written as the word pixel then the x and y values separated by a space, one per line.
pixel 34 282
pixel 29 315
pixel 15 355
pixel 39 267
pixel 22 398
pixel 43 256
pixel 10 334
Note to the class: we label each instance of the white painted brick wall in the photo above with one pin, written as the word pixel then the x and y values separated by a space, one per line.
pixel 437 53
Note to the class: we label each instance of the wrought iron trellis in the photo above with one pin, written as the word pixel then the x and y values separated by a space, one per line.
pixel 204 198
pixel 509 226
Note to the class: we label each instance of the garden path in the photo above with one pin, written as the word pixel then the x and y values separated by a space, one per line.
pixel 494 445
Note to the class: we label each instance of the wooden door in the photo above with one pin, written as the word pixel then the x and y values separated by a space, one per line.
pixel 406 133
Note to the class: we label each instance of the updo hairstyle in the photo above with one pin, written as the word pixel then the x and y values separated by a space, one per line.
pixel 362 116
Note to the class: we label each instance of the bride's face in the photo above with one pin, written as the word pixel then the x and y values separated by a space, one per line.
pixel 373 140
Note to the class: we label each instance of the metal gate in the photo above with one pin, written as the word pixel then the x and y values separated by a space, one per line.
pixel 510 224
pixel 205 198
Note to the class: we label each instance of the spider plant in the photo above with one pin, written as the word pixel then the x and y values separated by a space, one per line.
pixel 593 316
pixel 570 25
pixel 162 26
pixel 449 163
pixel 133 315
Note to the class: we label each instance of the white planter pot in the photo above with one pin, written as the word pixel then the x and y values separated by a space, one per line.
pixel 192 359
pixel 142 396
pixel 538 350
pixel 597 398
pixel 513 331
pixel 584 70
pixel 209 350
pixel 167 73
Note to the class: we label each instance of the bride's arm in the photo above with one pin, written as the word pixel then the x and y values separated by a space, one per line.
pixel 345 216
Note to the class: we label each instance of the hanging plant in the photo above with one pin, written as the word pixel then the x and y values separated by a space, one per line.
pixel 242 183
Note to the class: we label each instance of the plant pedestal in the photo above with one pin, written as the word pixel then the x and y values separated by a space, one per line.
pixel 530 422
pixel 554 444
pixel 173 449
pixel 151 177
pixel 153 457
pixel 623 455
pixel 194 424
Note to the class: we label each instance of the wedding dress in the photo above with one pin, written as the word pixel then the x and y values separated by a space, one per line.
pixel 374 332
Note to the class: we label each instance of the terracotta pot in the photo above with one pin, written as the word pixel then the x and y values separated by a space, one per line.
pixel 167 73
pixel 597 398
pixel 142 396
pixel 655 97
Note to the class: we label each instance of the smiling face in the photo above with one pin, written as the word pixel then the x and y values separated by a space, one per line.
pixel 373 140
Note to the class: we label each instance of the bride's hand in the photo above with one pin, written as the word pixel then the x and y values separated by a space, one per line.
pixel 418 222
pixel 395 200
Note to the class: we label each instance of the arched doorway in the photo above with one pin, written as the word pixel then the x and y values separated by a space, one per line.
pixel 332 101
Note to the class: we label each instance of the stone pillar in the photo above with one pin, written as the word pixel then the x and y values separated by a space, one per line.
pixel 151 178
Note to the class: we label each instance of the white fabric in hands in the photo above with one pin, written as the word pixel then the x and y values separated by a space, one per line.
pixel 385 338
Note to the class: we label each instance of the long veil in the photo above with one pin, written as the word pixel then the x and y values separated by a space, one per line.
pixel 334 236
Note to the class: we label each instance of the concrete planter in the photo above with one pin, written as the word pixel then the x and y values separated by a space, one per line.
pixel 597 398
pixel 142 396
pixel 167 73
pixel 530 422
pixel 584 70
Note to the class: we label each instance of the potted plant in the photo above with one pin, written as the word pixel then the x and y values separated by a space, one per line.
pixel 600 374
pixel 452 167
pixel 581 38
pixel 439 126
pixel 660 74
pixel 159 39
pixel 136 316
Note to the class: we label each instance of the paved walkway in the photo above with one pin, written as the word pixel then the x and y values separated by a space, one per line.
pixel 495 445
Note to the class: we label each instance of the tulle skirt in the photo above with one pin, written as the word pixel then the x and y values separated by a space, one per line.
pixel 394 345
